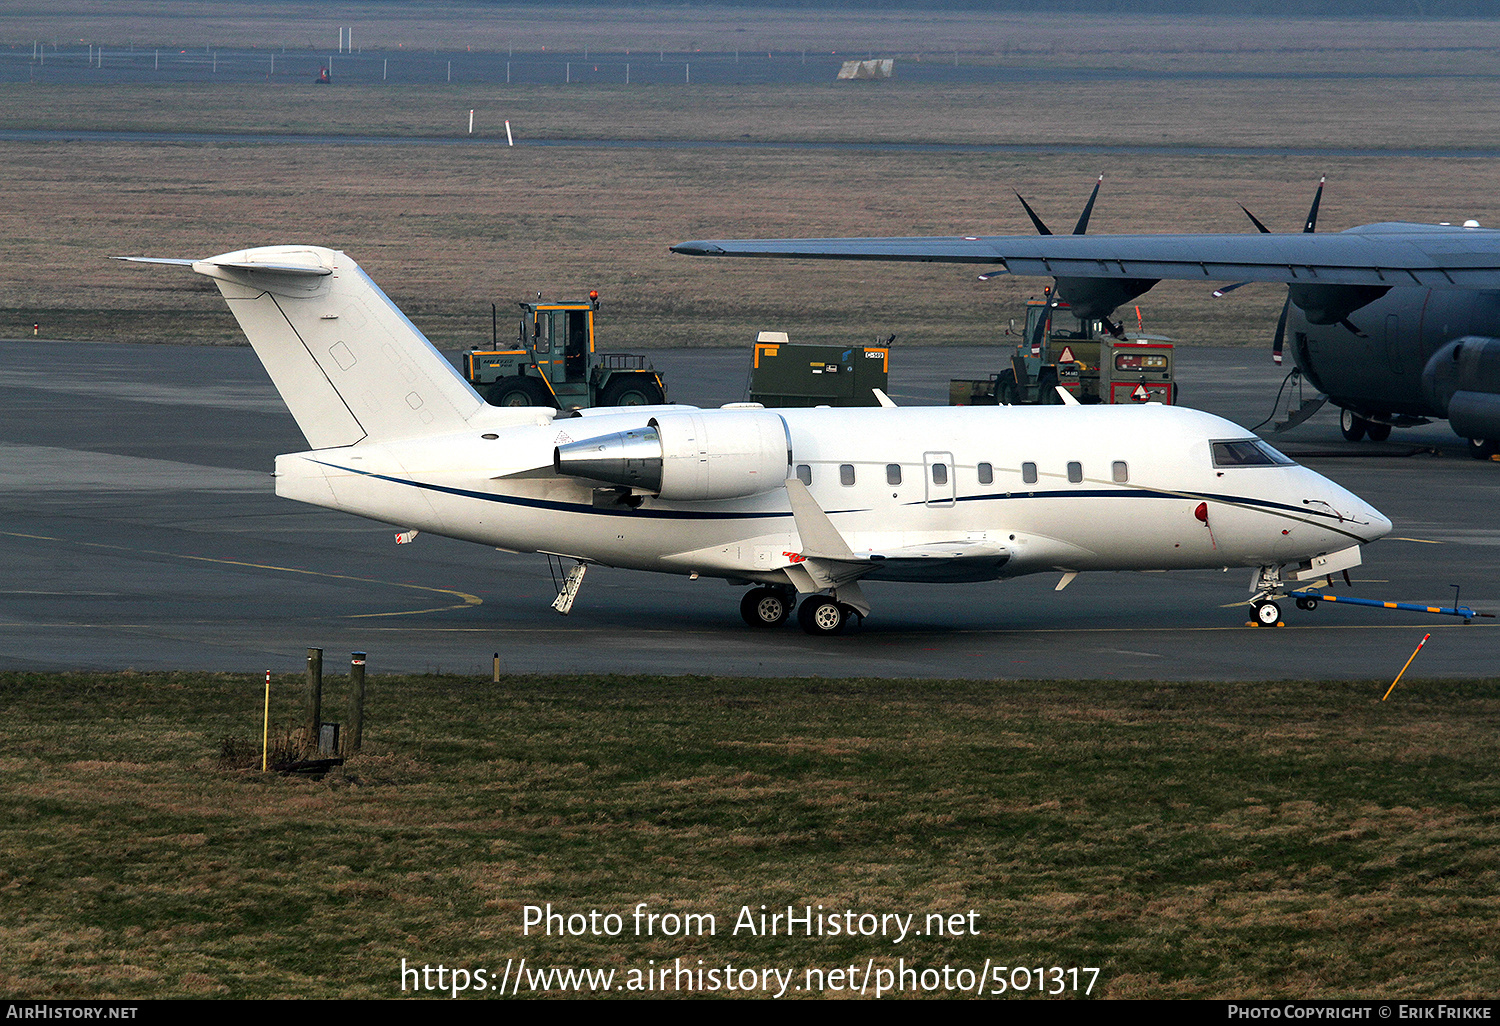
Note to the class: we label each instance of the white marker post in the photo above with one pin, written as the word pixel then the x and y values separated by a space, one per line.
pixel 508 140
pixel 471 120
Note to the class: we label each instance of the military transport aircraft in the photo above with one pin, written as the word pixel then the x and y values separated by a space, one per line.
pixel 804 502
pixel 1397 323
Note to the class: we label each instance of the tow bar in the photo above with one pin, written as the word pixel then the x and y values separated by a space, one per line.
pixel 1463 611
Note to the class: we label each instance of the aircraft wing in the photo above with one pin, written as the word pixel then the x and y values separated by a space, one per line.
pixel 1380 255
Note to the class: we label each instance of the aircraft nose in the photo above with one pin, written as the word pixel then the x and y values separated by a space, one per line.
pixel 1374 525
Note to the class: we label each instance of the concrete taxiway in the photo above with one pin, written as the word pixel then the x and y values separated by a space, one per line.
pixel 138 528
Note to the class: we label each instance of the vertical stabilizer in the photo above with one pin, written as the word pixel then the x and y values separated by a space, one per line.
pixel 347 362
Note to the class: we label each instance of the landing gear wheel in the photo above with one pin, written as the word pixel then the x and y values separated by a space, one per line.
pixel 1307 603
pixel 822 615
pixel 765 607
pixel 1483 448
pixel 1352 425
pixel 631 390
pixel 519 391
pixel 1268 613
pixel 1377 432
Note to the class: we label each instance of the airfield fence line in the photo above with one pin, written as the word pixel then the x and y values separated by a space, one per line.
pixel 37 61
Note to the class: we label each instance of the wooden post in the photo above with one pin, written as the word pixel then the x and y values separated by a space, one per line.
pixel 314 694
pixel 356 734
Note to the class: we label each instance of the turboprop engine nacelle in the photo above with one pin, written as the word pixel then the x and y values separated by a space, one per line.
pixel 692 455
pixel 1462 382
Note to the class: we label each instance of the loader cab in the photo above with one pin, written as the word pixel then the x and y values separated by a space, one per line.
pixel 561 340
pixel 1065 326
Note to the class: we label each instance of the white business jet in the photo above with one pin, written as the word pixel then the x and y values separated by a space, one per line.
pixel 793 503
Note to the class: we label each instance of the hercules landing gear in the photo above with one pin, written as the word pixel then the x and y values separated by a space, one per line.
pixel 767 607
pixel 1483 448
pixel 1352 425
pixel 1355 427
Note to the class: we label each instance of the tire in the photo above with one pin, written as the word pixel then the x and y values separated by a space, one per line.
pixel 1352 425
pixel 1483 448
pixel 822 615
pixel 1046 388
pixel 1377 432
pixel 1007 392
pixel 631 390
pixel 1307 603
pixel 1268 613
pixel 520 391
pixel 765 607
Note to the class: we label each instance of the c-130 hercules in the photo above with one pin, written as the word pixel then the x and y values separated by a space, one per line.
pixel 1397 323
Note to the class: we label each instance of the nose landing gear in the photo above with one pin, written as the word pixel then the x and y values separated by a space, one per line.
pixel 1268 614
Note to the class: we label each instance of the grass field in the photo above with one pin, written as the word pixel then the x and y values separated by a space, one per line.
pixel 447 230
pixel 1246 840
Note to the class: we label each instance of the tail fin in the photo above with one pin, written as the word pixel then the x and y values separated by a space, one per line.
pixel 347 362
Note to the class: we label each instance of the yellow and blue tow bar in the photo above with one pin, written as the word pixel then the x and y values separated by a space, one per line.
pixel 1463 611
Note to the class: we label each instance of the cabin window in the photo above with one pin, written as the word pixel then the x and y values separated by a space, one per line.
pixel 986 474
pixel 846 474
pixel 1248 452
pixel 1120 471
pixel 1075 473
pixel 1028 473
pixel 940 473
pixel 804 474
pixel 893 473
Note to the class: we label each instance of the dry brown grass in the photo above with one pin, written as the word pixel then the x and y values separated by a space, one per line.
pixel 449 231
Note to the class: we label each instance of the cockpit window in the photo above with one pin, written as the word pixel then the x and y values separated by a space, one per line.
pixel 1248 452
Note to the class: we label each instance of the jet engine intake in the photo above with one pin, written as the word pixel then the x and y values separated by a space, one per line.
pixel 689 456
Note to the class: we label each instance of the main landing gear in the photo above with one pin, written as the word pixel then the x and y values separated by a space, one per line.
pixel 1355 427
pixel 770 606
pixel 767 607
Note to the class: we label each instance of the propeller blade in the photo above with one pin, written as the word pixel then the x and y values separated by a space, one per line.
pixel 987 275
pixel 1088 210
pixel 1041 229
pixel 1255 220
pixel 1312 213
pixel 1350 325
pixel 1280 340
pixel 1220 293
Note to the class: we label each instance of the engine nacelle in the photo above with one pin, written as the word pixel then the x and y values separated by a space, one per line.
pixel 689 456
pixel 1462 382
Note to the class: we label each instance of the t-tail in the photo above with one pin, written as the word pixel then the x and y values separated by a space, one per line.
pixel 347 362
